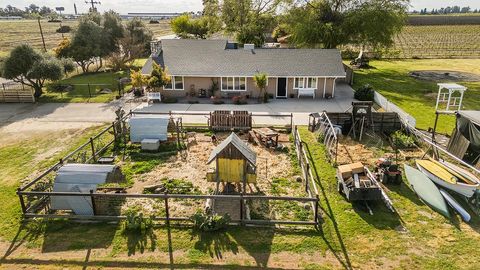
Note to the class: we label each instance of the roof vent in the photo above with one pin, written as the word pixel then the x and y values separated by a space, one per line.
pixel 249 46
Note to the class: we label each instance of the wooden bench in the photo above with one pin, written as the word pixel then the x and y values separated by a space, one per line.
pixel 306 92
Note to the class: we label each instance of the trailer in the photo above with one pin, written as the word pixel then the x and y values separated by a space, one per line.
pixel 355 182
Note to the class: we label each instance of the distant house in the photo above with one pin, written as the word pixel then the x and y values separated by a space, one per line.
pixel 197 64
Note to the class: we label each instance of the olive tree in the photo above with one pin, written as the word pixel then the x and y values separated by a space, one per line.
pixel 32 68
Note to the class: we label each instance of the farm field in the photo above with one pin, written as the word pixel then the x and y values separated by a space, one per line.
pixel 27 31
pixel 418 97
pixel 416 238
pixel 438 41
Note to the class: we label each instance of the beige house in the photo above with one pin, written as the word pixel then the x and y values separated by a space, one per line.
pixel 197 65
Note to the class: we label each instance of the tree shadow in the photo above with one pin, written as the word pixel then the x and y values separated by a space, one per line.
pixel 27 232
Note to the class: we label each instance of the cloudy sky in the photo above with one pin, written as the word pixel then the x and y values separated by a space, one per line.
pixel 125 6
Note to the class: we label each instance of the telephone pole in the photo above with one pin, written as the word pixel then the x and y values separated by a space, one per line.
pixel 93 3
pixel 41 33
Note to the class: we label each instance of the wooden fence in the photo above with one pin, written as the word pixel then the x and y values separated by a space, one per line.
pixel 15 92
pixel 382 121
pixel 35 196
pixel 230 120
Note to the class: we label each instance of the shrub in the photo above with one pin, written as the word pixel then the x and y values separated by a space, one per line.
pixel 170 100
pixel 64 29
pixel 217 100
pixel 402 140
pixel 137 223
pixel 239 100
pixel 364 93
pixel 209 222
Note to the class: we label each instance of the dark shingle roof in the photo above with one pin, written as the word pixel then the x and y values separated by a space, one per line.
pixel 237 143
pixel 187 57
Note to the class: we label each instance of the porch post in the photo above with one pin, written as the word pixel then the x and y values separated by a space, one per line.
pixel 324 86
pixel 334 82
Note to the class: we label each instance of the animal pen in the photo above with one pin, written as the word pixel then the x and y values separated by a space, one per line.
pixel 107 202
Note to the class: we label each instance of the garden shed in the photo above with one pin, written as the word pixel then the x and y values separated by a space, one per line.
pixel 81 178
pixel 235 162
pixel 465 139
pixel 148 126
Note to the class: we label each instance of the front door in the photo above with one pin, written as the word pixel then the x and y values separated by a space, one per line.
pixel 282 88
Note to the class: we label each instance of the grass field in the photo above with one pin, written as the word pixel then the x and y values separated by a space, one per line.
pixel 438 41
pixel 416 97
pixel 27 31
pixel 415 238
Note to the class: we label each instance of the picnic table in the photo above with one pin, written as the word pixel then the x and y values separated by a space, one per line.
pixel 267 136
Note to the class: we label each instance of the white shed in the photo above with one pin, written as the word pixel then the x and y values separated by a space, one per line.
pixel 148 126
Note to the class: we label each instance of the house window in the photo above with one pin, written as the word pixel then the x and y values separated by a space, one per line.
pixel 305 82
pixel 234 84
pixel 176 83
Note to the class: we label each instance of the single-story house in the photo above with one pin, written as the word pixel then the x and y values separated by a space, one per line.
pixel 197 64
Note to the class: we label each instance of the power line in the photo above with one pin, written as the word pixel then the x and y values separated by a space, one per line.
pixel 93 3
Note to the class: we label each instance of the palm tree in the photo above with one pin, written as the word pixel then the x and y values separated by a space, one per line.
pixel 261 80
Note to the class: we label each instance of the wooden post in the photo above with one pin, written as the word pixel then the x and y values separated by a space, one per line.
pixel 89 92
pixel 241 210
pixel 167 212
pixel 93 149
pixel 306 176
pixel 22 202
pixel 291 121
pixel 41 33
pixel 316 209
pixel 435 126
pixel 93 202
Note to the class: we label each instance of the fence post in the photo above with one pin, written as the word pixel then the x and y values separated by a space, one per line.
pixel 291 121
pixel 306 176
pixel 89 92
pixel 93 202
pixel 167 212
pixel 114 134
pixel 22 202
pixel 241 209
pixel 316 209
pixel 93 149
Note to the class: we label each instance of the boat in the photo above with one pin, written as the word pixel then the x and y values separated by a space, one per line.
pixel 466 175
pixel 426 190
pixel 455 205
pixel 442 177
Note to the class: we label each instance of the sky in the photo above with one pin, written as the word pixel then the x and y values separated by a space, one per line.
pixel 125 6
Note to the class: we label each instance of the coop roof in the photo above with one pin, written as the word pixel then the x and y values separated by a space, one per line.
pixel 234 140
pixel 473 116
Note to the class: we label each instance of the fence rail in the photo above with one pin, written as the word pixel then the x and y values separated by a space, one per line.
pixel 16 92
pixel 36 196
pixel 388 106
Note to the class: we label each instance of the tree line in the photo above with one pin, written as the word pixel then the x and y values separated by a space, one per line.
pixel 28 12
pixel 308 23
pixel 446 10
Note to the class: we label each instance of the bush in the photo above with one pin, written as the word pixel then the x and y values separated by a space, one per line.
pixel 64 29
pixel 210 222
pixel 402 140
pixel 365 93
pixel 137 223
pixel 217 100
pixel 170 100
pixel 239 100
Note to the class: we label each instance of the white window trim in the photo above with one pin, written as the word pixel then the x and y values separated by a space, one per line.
pixel 305 83
pixel 172 80
pixel 233 90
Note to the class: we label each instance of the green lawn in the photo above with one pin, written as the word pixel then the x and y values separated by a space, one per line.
pixel 81 93
pixel 391 79
pixel 415 238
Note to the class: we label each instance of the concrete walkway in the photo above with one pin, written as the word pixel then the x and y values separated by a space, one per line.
pixel 103 112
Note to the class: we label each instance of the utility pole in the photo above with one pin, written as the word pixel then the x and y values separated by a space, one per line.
pixel 93 3
pixel 41 33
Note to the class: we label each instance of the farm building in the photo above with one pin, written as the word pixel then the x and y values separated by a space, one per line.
pixel 81 178
pixel 235 162
pixel 465 139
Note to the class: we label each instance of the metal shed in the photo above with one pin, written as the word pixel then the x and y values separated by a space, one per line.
pixel 148 126
pixel 81 178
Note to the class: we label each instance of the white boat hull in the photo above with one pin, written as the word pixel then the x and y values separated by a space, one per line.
pixel 455 205
pixel 462 189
